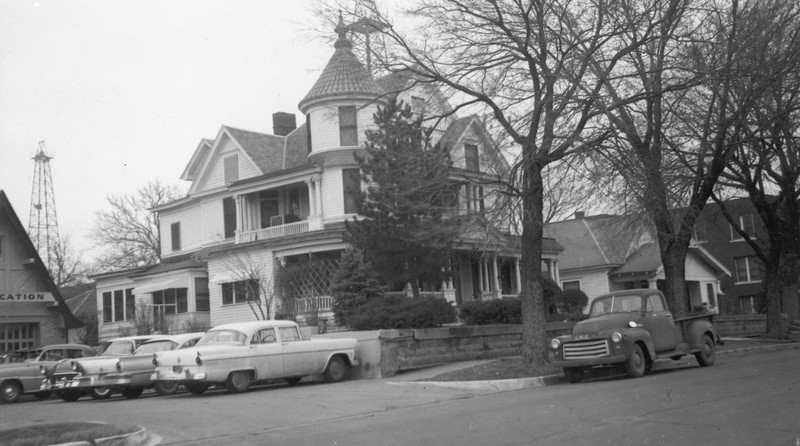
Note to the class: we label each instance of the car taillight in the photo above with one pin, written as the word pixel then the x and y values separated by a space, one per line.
pixel 198 360
pixel 155 360
pixel 119 366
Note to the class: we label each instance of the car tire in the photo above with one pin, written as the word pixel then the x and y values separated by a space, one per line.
pixel 43 395
pixel 705 357
pixel 238 381
pixel 70 395
pixel 336 369
pixel 636 363
pixel 100 393
pixel 293 381
pixel 196 388
pixel 132 392
pixel 166 387
pixel 573 374
pixel 10 392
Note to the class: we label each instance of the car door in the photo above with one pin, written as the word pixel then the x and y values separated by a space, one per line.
pixel 659 322
pixel 265 355
pixel 300 357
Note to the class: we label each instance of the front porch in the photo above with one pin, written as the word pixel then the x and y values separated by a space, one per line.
pixel 290 209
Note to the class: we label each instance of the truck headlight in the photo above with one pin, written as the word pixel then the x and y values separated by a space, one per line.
pixel 616 337
pixel 77 367
pixel 555 343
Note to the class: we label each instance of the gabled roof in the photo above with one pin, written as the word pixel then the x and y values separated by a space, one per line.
pixel 604 240
pixel 70 321
pixel 198 158
pixel 296 152
pixel 343 76
pixel 265 150
pixel 645 259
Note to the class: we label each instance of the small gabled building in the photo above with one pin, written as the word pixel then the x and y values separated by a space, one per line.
pixel 265 213
pixel 607 253
pixel 32 310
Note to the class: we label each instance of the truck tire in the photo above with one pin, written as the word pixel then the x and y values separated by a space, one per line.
pixel 336 370
pixel 705 357
pixel 636 362
pixel 573 374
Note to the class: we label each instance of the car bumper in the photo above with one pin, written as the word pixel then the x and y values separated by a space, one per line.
pixel 180 374
pixel 589 362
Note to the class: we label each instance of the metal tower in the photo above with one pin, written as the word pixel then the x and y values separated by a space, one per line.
pixel 42 223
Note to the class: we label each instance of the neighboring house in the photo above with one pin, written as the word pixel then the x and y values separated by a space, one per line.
pixel 743 289
pixel 607 253
pixel 32 310
pixel 82 301
pixel 261 205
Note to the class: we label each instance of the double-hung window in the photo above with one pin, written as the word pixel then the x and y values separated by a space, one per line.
pixel 748 269
pixel 348 126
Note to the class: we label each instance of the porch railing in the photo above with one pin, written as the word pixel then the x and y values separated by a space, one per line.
pixel 307 304
pixel 295 228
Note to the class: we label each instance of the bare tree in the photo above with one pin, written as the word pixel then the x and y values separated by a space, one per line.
pixel 66 267
pixel 766 162
pixel 129 231
pixel 253 279
pixel 526 64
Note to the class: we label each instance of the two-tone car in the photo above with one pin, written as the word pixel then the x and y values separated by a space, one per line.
pixel 18 378
pixel 240 354
pixel 129 375
pixel 55 377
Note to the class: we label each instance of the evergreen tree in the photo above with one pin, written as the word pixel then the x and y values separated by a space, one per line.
pixel 352 286
pixel 402 232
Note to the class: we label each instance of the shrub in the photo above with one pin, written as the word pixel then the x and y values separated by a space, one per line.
pixel 352 286
pixel 572 304
pixel 499 311
pixel 387 312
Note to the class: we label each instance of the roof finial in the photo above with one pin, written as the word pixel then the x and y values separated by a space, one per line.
pixel 341 29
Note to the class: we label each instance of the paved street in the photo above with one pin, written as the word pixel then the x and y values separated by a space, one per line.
pixel 745 399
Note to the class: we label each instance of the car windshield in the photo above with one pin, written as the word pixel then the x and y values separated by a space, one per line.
pixel 223 337
pixel 156 346
pixel 116 348
pixel 616 304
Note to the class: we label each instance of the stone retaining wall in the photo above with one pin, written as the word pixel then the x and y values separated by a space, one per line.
pixel 741 325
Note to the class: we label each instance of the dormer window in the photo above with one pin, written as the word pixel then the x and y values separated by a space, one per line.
pixel 471 157
pixel 231 166
pixel 747 225
pixel 348 126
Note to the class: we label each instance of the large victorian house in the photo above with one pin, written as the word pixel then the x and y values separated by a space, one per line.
pixel 265 214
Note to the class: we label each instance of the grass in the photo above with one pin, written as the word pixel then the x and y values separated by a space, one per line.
pixel 46 434
pixel 503 368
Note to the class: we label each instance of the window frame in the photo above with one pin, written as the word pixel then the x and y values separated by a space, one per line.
pixel 751 264
pixel 565 283
pixel 351 179
pixel 230 168
pixel 237 290
pixel 229 217
pixel 348 131
pixel 735 236
pixel 175 236
pixel 472 157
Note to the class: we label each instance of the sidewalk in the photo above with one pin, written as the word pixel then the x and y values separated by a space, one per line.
pixel 423 376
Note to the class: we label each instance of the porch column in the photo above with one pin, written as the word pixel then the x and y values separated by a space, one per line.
pixel 495 278
pixel 318 191
pixel 651 284
pixel 480 277
pixel 517 276
pixel 558 274
pixel 239 213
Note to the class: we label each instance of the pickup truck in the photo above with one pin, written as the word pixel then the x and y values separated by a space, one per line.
pixel 633 328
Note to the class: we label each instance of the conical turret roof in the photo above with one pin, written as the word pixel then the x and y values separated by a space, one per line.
pixel 344 75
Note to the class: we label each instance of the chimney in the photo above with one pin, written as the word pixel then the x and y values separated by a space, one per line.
pixel 283 123
pixel 579 215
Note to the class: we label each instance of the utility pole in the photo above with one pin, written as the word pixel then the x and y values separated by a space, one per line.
pixel 42 223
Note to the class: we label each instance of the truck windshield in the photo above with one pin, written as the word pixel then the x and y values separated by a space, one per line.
pixel 616 304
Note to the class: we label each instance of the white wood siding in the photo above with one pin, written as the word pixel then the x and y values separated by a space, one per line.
pixel 593 283
pixel 325 124
pixel 262 260
pixel 213 221
pixel 189 218
pixel 332 195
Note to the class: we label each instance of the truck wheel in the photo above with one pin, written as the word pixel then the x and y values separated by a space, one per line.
pixel 335 370
pixel 705 357
pixel 238 381
pixel 636 362
pixel 10 392
pixel 573 374
pixel 166 387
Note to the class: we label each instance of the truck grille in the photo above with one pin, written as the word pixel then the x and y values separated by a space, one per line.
pixel 595 348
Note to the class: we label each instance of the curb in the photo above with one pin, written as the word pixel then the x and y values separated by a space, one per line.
pixel 141 437
pixel 507 385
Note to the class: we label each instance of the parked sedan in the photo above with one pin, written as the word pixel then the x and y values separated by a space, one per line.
pixel 57 375
pixel 17 378
pixel 240 354
pixel 129 375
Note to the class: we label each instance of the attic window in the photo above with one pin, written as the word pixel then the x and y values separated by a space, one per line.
pixel 417 105
pixel 471 157
pixel 348 126
pixel 231 165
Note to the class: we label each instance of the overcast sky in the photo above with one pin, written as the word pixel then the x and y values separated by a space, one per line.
pixel 122 91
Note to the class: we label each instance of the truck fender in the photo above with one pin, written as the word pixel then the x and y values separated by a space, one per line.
pixel 634 335
pixel 696 329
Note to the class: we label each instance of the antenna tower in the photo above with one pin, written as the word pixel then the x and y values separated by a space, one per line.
pixel 42 223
